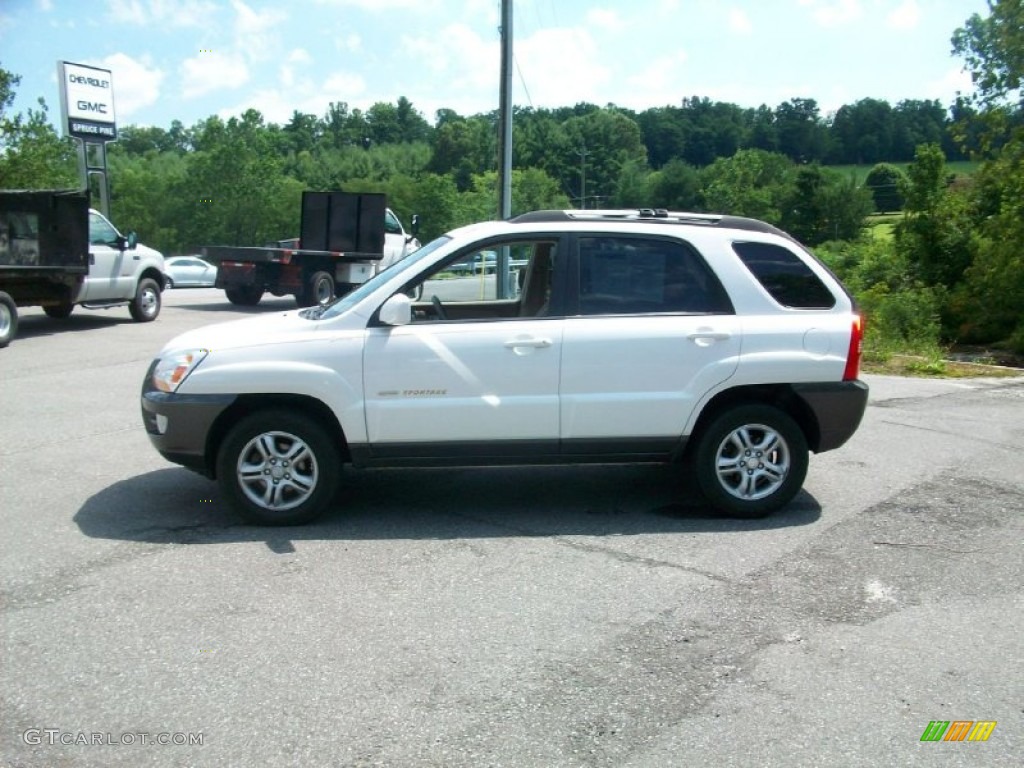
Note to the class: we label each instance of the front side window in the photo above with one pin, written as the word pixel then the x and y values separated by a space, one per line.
pixel 500 281
pixel 101 231
pixel 391 225
pixel 630 275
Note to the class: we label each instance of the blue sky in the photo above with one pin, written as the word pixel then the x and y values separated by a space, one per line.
pixel 189 59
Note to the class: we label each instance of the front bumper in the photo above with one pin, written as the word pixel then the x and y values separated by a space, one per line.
pixel 179 425
pixel 837 408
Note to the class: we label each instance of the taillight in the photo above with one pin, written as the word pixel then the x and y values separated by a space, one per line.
pixel 853 354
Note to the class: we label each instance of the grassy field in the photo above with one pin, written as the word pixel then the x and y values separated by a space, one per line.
pixel 860 172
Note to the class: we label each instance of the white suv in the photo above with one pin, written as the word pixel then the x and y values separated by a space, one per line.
pixel 602 336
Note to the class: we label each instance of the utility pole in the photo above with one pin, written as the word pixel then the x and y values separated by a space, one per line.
pixel 583 174
pixel 505 113
pixel 504 286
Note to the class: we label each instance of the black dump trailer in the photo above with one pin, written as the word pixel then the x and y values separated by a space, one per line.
pixel 44 251
pixel 342 239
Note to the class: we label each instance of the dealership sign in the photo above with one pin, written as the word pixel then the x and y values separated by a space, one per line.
pixel 87 102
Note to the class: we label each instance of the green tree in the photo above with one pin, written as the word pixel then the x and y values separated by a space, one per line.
pixel 825 205
pixel 989 304
pixel 675 187
pixel 235 192
pixel 935 232
pixel 751 183
pixel 885 181
pixel 32 155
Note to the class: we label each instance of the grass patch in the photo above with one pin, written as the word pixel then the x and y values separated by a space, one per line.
pixel 936 368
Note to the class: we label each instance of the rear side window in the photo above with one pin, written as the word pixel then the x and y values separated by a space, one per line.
pixel 631 275
pixel 785 276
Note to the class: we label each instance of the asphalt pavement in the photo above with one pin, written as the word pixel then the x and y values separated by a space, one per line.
pixel 589 616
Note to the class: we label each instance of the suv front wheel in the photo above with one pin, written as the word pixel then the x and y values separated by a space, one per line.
pixel 278 468
pixel 751 460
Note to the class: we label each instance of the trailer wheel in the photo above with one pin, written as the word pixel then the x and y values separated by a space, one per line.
pixel 146 304
pixel 59 311
pixel 320 289
pixel 8 319
pixel 244 295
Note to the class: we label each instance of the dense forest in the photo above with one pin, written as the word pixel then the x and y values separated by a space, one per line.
pixel 951 272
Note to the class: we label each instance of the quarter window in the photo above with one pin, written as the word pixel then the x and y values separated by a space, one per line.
pixel 620 275
pixel 785 276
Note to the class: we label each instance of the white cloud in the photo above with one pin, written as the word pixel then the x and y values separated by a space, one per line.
pixel 349 43
pixel 604 19
pixel 298 57
pixel 213 71
pixel 342 86
pixel 175 13
pixel 956 80
pixel 277 105
pixel 834 13
pixel 561 67
pixel 383 5
pixel 906 16
pixel 257 33
pixel 44 5
pixel 739 22
pixel 130 11
pixel 136 82
pixel 659 84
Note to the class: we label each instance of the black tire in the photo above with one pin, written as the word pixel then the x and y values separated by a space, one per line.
pixel 244 295
pixel 267 443
pixel 319 289
pixel 58 311
pixel 751 461
pixel 168 282
pixel 8 320
pixel 145 307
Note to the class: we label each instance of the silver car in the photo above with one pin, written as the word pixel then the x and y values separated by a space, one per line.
pixel 189 272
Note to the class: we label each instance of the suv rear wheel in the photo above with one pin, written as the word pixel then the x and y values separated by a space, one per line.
pixel 751 460
pixel 279 468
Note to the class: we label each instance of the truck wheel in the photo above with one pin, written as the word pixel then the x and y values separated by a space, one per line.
pixel 279 467
pixel 751 461
pixel 244 295
pixel 59 311
pixel 320 289
pixel 146 304
pixel 8 319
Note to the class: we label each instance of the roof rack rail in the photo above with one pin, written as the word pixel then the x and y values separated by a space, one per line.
pixel 647 215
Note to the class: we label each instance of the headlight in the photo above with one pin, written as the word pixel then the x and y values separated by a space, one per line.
pixel 174 369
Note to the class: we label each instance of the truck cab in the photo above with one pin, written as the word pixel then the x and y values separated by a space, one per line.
pixel 397 244
pixel 121 272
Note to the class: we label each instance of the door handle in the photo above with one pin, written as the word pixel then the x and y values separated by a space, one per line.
pixel 702 337
pixel 535 343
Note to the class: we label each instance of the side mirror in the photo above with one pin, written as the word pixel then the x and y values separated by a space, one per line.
pixel 133 240
pixel 415 225
pixel 397 310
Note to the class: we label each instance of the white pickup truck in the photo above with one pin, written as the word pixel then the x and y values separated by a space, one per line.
pixel 122 271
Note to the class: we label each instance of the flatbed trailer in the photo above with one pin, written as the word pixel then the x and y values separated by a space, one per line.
pixel 342 243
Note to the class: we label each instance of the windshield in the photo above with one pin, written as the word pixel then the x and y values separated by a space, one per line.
pixel 349 300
